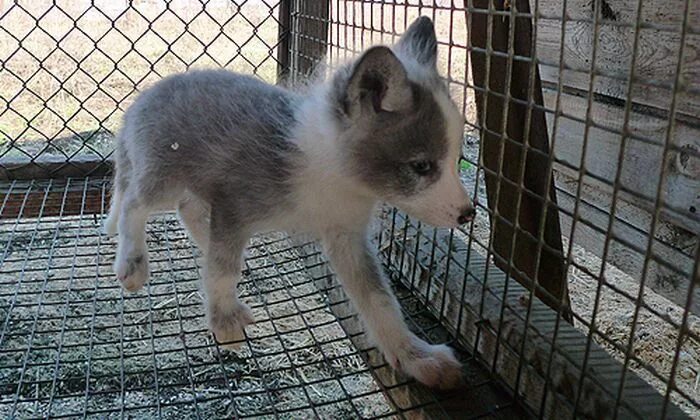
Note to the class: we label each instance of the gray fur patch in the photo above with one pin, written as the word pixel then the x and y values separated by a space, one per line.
pixel 382 148
pixel 420 42
pixel 380 145
pixel 231 133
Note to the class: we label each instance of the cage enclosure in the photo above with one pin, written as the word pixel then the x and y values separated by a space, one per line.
pixel 574 293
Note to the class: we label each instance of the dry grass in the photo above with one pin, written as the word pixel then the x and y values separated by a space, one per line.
pixel 78 67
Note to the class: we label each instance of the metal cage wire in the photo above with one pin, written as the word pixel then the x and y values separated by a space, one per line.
pixel 70 69
pixel 74 344
pixel 486 301
pixel 355 25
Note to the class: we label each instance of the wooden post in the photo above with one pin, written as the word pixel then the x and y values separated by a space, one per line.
pixel 507 155
pixel 311 36
pixel 284 44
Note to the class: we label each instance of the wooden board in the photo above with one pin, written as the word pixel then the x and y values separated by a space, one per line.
pixel 53 167
pixel 478 304
pixel 642 162
pixel 517 168
pixel 629 240
pixel 41 202
pixel 656 58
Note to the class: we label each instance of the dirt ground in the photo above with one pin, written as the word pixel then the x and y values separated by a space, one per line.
pixel 655 339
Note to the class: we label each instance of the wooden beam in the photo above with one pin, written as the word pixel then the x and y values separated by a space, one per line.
pixel 59 166
pixel 515 245
pixel 311 36
pixel 284 41
pixel 54 168
pixel 40 203
pixel 486 310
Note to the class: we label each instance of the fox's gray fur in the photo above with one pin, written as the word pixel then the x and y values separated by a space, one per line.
pixel 237 156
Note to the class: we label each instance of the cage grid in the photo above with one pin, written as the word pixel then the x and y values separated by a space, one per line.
pixel 581 121
pixel 74 344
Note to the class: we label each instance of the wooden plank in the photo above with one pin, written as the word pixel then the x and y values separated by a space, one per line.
pixel 666 15
pixel 39 203
pixel 629 238
pixel 657 53
pixel 311 36
pixel 54 167
pixel 642 162
pixel 473 304
pixel 522 126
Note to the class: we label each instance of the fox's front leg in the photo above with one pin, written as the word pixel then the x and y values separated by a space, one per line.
pixel 359 273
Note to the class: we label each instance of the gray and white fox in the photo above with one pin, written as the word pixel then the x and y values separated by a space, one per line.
pixel 236 156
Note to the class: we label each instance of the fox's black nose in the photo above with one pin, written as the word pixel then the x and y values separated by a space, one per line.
pixel 467 215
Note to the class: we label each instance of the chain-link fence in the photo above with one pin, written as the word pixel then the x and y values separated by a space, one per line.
pixel 576 286
pixel 70 69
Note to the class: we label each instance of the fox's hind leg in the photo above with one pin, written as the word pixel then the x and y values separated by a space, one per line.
pixel 122 169
pixel 111 223
pixel 131 264
pixel 195 214
pixel 226 314
pixel 127 217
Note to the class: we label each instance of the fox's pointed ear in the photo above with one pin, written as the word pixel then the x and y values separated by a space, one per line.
pixel 419 42
pixel 378 82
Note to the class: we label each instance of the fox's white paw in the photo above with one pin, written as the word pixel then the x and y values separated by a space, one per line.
pixel 132 270
pixel 228 321
pixel 433 365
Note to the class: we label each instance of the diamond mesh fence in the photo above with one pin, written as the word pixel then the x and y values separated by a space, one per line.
pixel 69 69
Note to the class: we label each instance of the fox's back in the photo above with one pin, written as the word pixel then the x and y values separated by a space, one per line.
pixel 210 125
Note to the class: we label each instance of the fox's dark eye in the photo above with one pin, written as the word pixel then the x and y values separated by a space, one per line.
pixel 422 167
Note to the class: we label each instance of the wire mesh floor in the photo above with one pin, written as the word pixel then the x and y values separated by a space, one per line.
pixel 74 344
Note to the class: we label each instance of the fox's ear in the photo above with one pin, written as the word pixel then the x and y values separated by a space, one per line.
pixel 419 42
pixel 378 82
